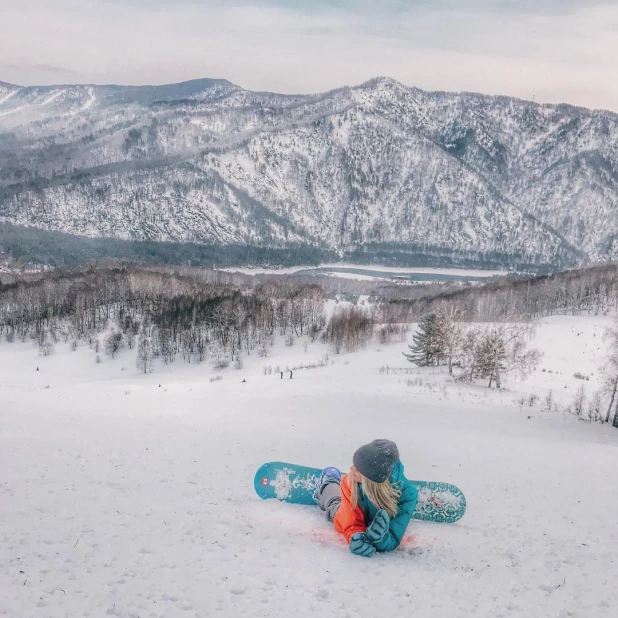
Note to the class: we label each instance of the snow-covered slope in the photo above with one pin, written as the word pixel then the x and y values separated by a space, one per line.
pixel 130 495
pixel 377 164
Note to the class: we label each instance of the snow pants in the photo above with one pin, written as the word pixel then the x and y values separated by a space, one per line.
pixel 329 499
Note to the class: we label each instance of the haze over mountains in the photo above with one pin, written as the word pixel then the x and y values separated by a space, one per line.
pixel 380 165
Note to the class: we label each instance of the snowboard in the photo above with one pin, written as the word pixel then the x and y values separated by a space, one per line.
pixel 439 502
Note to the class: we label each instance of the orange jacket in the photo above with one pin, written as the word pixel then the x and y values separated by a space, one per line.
pixel 348 520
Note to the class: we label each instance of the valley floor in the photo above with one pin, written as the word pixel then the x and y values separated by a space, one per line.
pixel 361 272
pixel 123 494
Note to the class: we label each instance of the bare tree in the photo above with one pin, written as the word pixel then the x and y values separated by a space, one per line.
pixel 579 401
pixel 41 337
pixel 493 355
pixel 450 333
pixel 47 349
pixel 145 355
pixel 610 370
pixel 470 353
pixel 501 349
pixel 113 342
pixel 349 327
pixel 594 407
pixel 610 388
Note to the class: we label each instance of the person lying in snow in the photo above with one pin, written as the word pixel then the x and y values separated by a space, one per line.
pixel 372 504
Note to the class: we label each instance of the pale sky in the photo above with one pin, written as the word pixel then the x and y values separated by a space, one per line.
pixel 550 50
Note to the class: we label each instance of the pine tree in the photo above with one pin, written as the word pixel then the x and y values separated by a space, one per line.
pixel 425 349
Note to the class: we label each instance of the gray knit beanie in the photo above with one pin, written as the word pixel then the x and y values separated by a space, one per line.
pixel 376 460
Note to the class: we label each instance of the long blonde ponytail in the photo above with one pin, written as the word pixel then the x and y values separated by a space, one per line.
pixel 382 495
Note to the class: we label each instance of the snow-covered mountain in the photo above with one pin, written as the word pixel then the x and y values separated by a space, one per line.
pixel 380 165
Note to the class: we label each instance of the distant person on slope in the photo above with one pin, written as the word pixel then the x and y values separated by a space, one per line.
pixel 372 504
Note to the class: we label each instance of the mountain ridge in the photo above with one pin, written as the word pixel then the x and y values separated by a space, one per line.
pixel 378 164
pixel 377 78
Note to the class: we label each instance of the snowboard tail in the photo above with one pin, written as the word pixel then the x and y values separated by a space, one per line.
pixel 438 502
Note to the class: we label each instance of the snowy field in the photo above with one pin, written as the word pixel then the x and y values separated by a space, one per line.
pixel 123 494
pixel 394 270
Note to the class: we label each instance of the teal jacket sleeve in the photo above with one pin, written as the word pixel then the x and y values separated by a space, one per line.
pixel 398 524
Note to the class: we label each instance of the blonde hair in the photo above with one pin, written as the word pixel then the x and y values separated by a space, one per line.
pixel 383 495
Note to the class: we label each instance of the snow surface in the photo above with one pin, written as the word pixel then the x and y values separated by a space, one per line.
pixel 125 494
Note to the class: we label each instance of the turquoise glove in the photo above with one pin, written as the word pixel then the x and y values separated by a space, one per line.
pixel 360 546
pixel 378 528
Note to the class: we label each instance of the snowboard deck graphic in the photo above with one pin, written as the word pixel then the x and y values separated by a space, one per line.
pixel 439 502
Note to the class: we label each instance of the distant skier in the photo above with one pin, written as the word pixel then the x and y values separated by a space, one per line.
pixel 282 375
pixel 372 504
pixel 290 375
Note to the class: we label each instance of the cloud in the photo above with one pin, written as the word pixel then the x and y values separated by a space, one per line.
pixel 552 50
pixel 39 68
pixel 382 7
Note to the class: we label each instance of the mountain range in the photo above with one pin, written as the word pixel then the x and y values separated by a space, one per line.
pixel 376 167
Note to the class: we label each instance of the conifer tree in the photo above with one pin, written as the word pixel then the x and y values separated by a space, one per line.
pixel 425 349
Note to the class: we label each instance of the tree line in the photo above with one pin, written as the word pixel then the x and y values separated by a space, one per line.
pixel 587 291
pixel 482 331
pixel 487 352
pixel 166 314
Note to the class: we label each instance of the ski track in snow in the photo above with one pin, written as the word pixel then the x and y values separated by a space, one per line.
pixel 52 97
pixel 91 100
pixel 87 105
pixel 14 110
pixel 9 96
pixel 120 497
